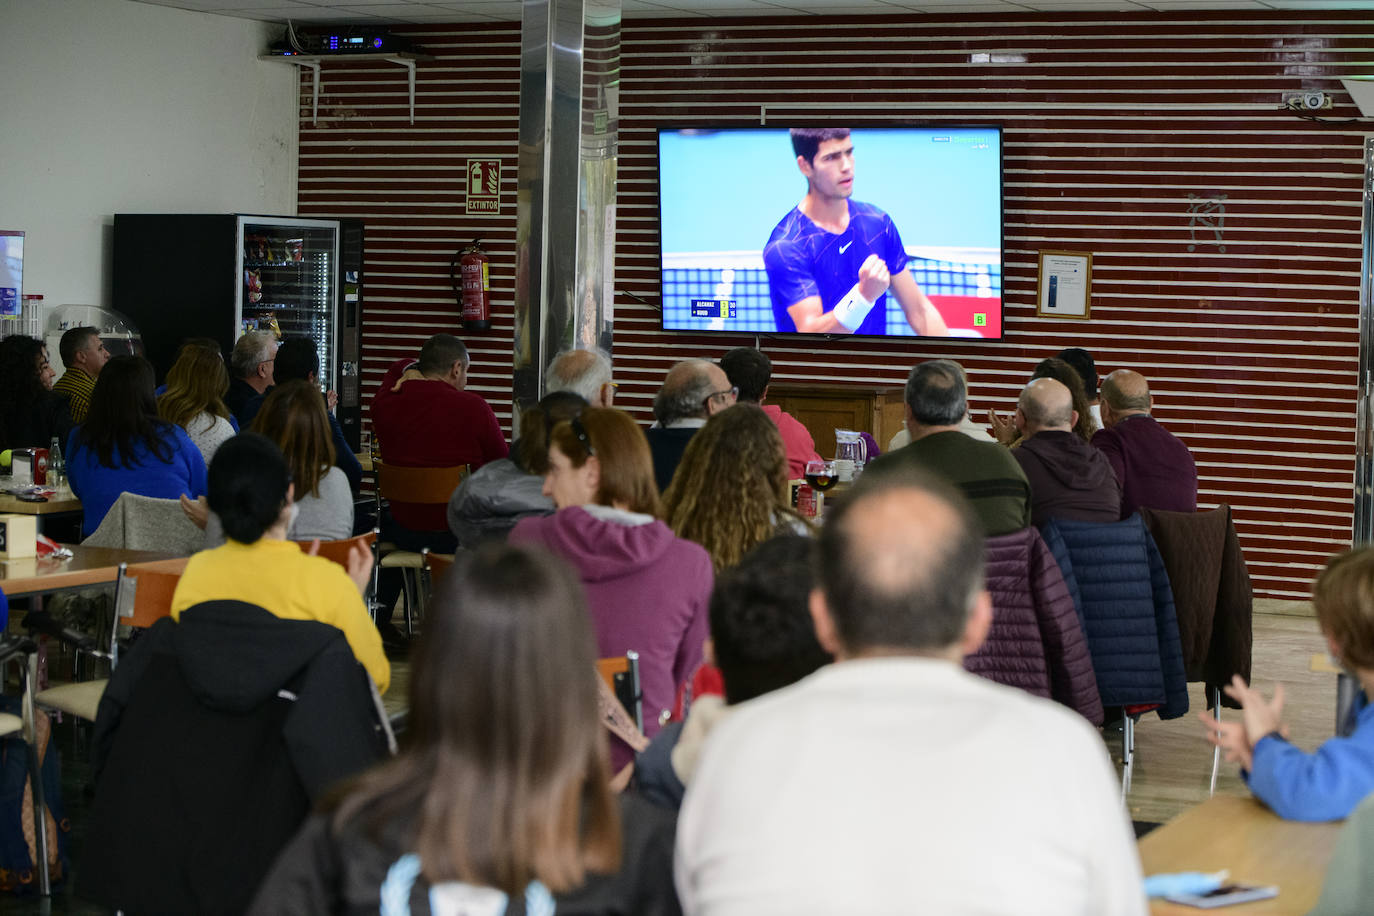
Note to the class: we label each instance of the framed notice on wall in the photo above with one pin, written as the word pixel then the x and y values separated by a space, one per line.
pixel 1065 286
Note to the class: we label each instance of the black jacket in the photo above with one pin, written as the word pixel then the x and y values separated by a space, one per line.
pixel 213 738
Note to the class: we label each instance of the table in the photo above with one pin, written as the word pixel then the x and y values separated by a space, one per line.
pixel 88 566
pixel 1256 845
pixel 63 501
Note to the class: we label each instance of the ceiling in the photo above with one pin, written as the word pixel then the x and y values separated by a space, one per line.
pixel 431 11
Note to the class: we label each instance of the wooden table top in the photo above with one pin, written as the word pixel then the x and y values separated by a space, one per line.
pixel 62 501
pixel 87 566
pixel 1253 843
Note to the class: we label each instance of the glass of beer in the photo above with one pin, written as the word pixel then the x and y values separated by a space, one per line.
pixel 821 474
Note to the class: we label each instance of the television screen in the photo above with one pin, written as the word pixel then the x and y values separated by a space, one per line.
pixel 892 231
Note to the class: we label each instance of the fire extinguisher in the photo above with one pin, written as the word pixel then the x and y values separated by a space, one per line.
pixel 475 293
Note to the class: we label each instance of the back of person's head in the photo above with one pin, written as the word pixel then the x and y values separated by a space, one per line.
pixel 531 450
pixel 196 384
pixel 123 414
pixel 761 630
pixel 937 393
pixel 1126 390
pixel 582 372
pixel 505 776
pixel 294 417
pixel 1082 362
pixel 1067 376
pixel 730 489
pixel 246 485
pixel 1344 600
pixel 440 352
pixel 684 392
pixel 250 351
pixel 627 468
pixel 297 358
pixel 1046 403
pixel 748 369
pixel 901 563
pixel 73 341
pixel 806 141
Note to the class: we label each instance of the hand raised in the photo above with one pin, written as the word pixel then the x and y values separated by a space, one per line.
pixel 360 567
pixel 874 278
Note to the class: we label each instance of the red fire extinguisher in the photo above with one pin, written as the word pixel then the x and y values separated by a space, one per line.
pixel 475 294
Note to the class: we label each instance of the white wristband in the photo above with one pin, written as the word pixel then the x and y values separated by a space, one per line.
pixel 852 309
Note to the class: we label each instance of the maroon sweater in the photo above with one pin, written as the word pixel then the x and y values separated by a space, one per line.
pixel 1155 468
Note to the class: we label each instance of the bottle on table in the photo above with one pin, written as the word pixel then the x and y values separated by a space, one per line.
pixel 57 465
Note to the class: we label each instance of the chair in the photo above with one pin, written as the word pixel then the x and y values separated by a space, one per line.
pixel 424 486
pixel 436 565
pixel 1213 597
pixel 26 652
pixel 142 598
pixel 339 550
pixel 621 674
pixel 143 523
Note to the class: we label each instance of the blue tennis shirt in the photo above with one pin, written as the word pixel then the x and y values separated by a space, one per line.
pixel 805 260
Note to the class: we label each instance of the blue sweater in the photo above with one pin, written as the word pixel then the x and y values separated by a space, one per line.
pixel 1325 785
pixel 98 486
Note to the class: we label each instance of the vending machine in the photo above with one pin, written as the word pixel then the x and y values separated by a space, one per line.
pixel 179 276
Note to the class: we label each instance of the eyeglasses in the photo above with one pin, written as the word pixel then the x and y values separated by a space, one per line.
pixel 732 392
pixel 580 432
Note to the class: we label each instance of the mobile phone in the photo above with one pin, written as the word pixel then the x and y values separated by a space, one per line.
pixel 31 498
pixel 1226 895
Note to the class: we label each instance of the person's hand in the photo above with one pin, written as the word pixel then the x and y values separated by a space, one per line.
pixel 331 400
pixel 1003 429
pixel 874 278
pixel 359 567
pixel 1261 716
pixel 409 375
pixel 1231 737
pixel 197 510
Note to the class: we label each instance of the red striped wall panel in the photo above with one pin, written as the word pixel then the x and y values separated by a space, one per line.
pixel 1111 122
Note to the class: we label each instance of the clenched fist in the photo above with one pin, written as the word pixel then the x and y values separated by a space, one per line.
pixel 873 278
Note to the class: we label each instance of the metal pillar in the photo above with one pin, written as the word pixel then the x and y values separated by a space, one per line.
pixel 1364 420
pixel 565 235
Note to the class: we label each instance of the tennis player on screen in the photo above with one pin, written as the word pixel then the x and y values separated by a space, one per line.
pixel 832 260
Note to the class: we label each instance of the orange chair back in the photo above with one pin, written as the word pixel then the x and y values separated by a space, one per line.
pixel 437 564
pixel 153 591
pixel 339 550
pixel 608 668
pixel 418 485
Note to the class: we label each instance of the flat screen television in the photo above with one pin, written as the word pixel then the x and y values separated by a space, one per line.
pixel 755 238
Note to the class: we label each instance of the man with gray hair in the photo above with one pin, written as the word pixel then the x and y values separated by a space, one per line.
pixel 583 372
pixel 251 375
pixel 1068 477
pixel 693 391
pixel 881 784
pixel 1155 468
pixel 936 405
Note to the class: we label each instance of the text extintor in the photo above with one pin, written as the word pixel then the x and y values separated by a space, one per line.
pixel 484 186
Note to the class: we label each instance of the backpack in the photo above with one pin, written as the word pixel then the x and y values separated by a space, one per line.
pixel 18 838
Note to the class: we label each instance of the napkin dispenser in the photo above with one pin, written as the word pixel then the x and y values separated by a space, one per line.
pixel 18 537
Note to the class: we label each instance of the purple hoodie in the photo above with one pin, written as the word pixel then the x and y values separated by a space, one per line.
pixel 647 590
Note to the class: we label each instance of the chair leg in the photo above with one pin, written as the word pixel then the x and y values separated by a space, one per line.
pixel 409 592
pixel 1127 754
pixel 40 808
pixel 1216 751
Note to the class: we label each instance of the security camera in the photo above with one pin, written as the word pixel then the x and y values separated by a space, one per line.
pixel 1315 101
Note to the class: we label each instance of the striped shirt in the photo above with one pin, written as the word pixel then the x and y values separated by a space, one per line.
pixel 77 385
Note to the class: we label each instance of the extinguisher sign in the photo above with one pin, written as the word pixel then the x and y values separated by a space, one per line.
pixel 484 186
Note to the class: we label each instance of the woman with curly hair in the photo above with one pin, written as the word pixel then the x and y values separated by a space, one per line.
pixel 730 491
pixel 1062 372
pixel 30 414
pixel 194 399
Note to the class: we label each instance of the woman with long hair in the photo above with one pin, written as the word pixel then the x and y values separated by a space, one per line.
pixel 1005 430
pixel 194 399
pixel 124 446
pixel 294 416
pixel 647 589
pixel 30 414
pixel 730 491
pixel 500 799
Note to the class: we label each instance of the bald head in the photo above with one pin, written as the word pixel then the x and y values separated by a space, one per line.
pixel 1045 404
pixel 1124 394
pixel 901 567
pixel 692 388
pixel 583 372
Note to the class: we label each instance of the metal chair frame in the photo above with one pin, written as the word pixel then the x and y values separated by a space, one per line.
pixel 423 485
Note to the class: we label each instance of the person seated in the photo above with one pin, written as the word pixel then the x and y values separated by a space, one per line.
pixel 298 359
pixel 1068 477
pixel 730 491
pixel 1155 467
pixel 1083 363
pixel 251 492
pixel 586 373
pixel 31 415
pixel 83 354
pixel 647 589
pixel 761 640
pixel 252 364
pixel 194 396
pixel 1328 783
pixel 501 802
pixel 124 446
pixel 692 391
pixel 750 370
pixel 1004 429
pixel 491 500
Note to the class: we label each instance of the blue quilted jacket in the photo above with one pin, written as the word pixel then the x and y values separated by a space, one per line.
pixel 1118 582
